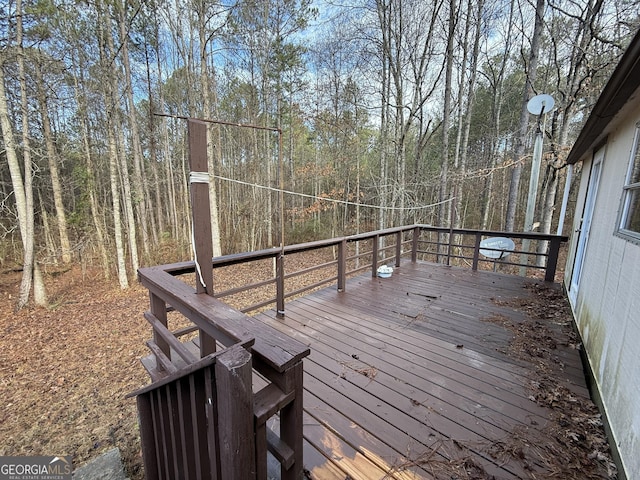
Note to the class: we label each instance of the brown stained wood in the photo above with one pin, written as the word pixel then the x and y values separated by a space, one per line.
pixel 443 376
pixel 374 255
pixel 420 416
pixel 148 440
pixel 158 308
pixel 283 452
pixel 421 347
pixel 355 461
pixel 320 467
pixel 161 331
pixel 186 422
pixel 261 451
pixel 348 459
pixel 268 401
pixel 235 415
pixel 182 370
pixel 280 276
pixel 197 397
pixel 392 362
pixel 389 372
pixel 342 265
pixel 212 433
pixel 450 314
pixel 173 437
pixel 552 261
pixel 162 362
pixel 291 426
pixel 275 349
pixel 368 443
pixel 200 207
pixel 207 343
pixel 184 435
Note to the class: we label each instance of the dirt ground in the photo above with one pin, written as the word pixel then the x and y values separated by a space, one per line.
pixel 65 371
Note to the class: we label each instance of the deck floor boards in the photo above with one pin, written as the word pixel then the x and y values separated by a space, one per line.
pixel 407 380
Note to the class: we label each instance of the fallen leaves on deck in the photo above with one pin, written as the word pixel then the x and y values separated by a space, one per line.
pixel 577 447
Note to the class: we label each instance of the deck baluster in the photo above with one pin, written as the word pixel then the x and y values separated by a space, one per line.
pixel 398 248
pixel 342 265
pixel 280 285
pixel 374 255
pixel 476 251
pixel 414 243
pixel 158 309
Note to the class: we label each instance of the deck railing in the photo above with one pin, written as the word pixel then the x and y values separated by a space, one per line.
pixel 218 375
pixel 367 251
pixel 199 354
pixel 191 429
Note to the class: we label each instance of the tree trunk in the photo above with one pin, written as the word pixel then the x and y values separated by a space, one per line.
pixel 115 203
pixel 90 169
pixel 465 126
pixel 496 110
pixel 111 123
pixel 153 153
pixel 53 160
pixel 39 291
pixel 140 186
pixel 444 216
pixel 121 158
pixel 27 227
pixel 25 219
pixel 445 207
pixel 49 242
pixel 516 173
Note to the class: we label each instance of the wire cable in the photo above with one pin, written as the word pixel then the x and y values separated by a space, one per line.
pixel 328 199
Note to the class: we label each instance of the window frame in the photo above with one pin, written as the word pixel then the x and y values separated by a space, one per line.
pixel 628 190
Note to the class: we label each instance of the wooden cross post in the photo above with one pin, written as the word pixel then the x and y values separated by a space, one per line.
pixel 201 217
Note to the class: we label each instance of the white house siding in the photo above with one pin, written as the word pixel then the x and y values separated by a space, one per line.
pixel 607 306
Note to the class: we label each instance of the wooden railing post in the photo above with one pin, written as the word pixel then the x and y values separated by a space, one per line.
pixel 342 265
pixel 291 421
pixel 201 217
pixel 280 285
pixel 158 309
pixel 450 242
pixel 414 244
pixel 552 259
pixel 476 251
pixel 398 247
pixel 200 207
pixel 235 415
pixel 374 255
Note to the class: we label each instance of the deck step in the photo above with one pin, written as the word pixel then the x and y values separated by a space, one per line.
pixel 268 401
pixel 279 449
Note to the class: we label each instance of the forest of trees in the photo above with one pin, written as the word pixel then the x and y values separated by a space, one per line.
pixel 391 111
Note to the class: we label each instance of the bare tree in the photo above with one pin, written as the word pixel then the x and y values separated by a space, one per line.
pixel 53 161
pixel 110 101
pixel 22 187
pixel 531 72
pixel 25 218
pixel 140 190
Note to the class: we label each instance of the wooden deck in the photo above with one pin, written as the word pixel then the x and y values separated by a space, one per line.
pixel 407 378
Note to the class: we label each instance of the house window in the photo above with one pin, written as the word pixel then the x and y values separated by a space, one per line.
pixel 630 219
